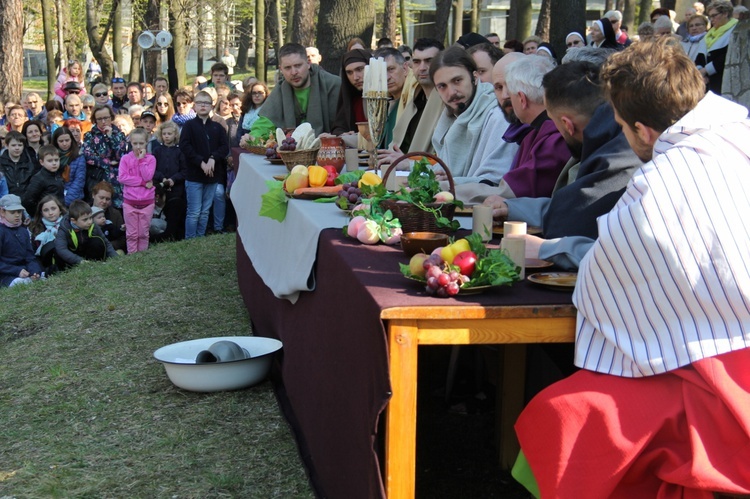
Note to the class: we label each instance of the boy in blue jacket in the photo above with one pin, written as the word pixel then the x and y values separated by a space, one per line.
pixel 18 264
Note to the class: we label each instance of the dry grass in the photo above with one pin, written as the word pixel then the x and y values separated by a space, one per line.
pixel 87 412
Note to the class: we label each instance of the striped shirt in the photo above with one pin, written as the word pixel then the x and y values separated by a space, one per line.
pixel 667 282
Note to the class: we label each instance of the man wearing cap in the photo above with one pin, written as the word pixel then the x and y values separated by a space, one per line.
pixel 18 264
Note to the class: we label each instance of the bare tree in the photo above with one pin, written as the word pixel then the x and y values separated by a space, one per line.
pixel 628 14
pixel 290 4
pixel 543 21
pixel 519 19
pixel 458 19
pixel 303 31
pixel 260 40
pixel 442 14
pixel 97 39
pixel 177 14
pixel 151 22
pixel 11 56
pixel 49 50
pixel 645 12
pixel 244 28
pixel 117 31
pixel 403 16
pixel 566 17
pixel 389 20
pixel 62 53
pixel 338 21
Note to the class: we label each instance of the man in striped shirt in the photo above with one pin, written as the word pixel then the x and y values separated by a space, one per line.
pixel 661 407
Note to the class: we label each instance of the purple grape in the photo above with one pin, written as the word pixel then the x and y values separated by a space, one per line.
pixel 452 288
pixel 353 198
pixel 442 292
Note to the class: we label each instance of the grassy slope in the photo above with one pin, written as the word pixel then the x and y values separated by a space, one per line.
pixel 87 412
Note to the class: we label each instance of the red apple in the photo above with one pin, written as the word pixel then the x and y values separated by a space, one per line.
pixel 465 261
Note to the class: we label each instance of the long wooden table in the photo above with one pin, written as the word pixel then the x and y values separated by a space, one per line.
pixel 350 345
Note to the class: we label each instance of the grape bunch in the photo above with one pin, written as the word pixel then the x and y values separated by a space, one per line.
pixel 351 193
pixel 288 144
pixel 271 153
pixel 442 282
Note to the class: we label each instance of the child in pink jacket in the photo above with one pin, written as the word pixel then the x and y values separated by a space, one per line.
pixel 137 178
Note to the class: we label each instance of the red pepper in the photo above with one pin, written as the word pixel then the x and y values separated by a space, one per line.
pixel 332 174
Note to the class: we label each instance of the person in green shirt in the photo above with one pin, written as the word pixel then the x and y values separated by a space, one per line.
pixel 307 94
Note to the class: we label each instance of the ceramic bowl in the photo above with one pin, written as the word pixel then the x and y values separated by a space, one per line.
pixel 422 242
pixel 179 362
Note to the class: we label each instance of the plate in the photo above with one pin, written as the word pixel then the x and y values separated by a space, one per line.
pixel 461 291
pixel 466 211
pixel 311 196
pixel 275 161
pixel 558 280
pixel 534 263
pixel 279 177
pixel 498 229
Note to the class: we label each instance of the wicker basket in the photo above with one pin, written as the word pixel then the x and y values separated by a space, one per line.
pixel 260 150
pixel 304 157
pixel 413 218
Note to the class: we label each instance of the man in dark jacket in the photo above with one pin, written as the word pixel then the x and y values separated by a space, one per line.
pixel 602 164
pixel 205 145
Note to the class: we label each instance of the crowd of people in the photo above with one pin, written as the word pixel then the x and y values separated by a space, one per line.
pixel 97 173
pixel 623 152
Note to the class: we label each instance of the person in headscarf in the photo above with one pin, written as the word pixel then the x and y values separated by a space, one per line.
pixel 350 108
pixel 603 36
pixel 575 39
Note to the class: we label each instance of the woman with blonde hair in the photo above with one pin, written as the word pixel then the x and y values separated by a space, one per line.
pixel 717 42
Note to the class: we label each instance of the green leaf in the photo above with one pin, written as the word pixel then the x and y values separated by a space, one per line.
pixel 326 200
pixel 274 201
pixel 349 177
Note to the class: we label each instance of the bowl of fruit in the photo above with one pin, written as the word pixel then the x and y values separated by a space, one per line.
pixel 465 266
pixel 299 147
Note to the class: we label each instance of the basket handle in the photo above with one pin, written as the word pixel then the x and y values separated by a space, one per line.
pixel 451 185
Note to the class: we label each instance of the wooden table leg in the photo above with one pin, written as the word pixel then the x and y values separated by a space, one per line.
pixel 401 417
pixel 511 391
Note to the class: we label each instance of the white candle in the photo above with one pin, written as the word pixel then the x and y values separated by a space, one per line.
pixel 516 248
pixel 481 221
pixel 514 228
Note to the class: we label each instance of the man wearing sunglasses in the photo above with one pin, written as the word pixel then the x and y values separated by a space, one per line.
pixel 119 94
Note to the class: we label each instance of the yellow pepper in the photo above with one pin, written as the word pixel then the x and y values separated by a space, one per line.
pixel 317 176
pixel 369 178
pixel 448 253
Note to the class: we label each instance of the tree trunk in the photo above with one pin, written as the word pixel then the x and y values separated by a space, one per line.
pixel 404 27
pixel 290 6
pixel 260 40
pixel 201 33
pixel 566 17
pixel 389 20
pixel 11 56
pixel 475 16
pixel 151 20
pixel 66 28
pixel 272 37
pixel 609 5
pixel 117 42
pixel 670 4
pixel 519 19
pixel 338 21
pixel 628 15
pixel 245 29
pixel 645 12
pixel 62 54
pixel 442 14
pixel 543 22
pixel 279 25
pixel 96 41
pixel 49 49
pixel 135 57
pixel 177 16
pixel 458 19
pixel 304 22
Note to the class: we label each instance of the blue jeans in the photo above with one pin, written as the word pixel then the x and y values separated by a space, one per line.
pixel 220 207
pixel 200 197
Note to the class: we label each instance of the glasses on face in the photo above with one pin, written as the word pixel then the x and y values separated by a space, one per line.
pixel 74 92
pixel 88 107
pixel 715 14
pixel 100 94
pixel 104 119
pixel 118 80
pixel 162 104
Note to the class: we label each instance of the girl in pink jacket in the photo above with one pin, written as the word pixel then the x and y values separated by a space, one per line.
pixel 137 178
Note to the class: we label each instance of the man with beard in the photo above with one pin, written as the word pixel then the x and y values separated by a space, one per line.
pixel 421 107
pixel 659 407
pixel 596 175
pixel 468 135
pixel 350 108
pixel 542 150
pixel 307 94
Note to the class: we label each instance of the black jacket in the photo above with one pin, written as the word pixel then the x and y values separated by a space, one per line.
pixel 170 163
pixel 200 141
pixel 607 164
pixel 18 175
pixel 73 246
pixel 42 183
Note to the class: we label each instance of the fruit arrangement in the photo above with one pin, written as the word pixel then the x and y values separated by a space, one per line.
pixel 314 176
pixel 302 138
pixel 463 265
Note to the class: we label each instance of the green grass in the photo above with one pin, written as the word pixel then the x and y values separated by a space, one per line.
pixel 87 412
